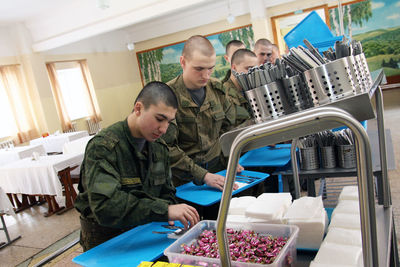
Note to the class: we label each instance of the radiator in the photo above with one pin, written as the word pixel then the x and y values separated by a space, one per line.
pixel 73 128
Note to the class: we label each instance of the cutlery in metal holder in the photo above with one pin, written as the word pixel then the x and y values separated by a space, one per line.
pixel 328 158
pixel 330 82
pixel 297 93
pixel 346 156
pixel 268 101
pixel 309 159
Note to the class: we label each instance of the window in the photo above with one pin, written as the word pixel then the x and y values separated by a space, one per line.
pixel 73 92
pixel 18 119
pixel 8 127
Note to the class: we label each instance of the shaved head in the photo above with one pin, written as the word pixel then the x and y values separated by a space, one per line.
pixel 239 55
pixel 263 42
pixel 263 51
pixel 198 43
pixel 232 45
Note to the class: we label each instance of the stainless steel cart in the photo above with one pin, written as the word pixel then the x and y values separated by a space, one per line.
pixel 377 227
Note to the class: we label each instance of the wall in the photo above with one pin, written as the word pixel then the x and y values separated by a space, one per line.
pixel 114 69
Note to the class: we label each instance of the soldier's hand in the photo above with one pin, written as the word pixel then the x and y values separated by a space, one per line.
pixel 239 168
pixel 217 181
pixel 184 213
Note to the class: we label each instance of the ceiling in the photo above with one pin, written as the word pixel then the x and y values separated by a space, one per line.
pixel 55 23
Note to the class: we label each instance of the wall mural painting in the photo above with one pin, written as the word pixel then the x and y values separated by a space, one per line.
pixel 162 63
pixel 376 23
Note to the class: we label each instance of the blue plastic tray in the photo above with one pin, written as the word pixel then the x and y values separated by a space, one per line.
pixel 314 29
pixel 205 195
pixel 277 156
pixel 130 248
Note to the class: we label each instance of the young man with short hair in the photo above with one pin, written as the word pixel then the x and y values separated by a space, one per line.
pixel 231 48
pixel 204 113
pixel 242 60
pixel 125 175
pixel 263 51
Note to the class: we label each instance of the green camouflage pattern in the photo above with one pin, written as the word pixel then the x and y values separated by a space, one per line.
pixel 121 187
pixel 241 104
pixel 193 138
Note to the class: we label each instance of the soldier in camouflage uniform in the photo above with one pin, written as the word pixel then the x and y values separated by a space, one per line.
pixel 125 175
pixel 263 51
pixel 204 113
pixel 231 48
pixel 242 60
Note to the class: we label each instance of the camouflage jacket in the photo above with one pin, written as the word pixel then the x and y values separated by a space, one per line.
pixel 193 138
pixel 241 104
pixel 121 187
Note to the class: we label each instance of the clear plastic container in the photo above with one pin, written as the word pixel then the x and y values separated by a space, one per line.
pixel 287 256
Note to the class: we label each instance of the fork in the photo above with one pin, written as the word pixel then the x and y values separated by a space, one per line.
pixel 176 232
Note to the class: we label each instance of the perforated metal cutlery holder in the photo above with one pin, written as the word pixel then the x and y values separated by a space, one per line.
pixel 328 157
pixel 330 82
pixel 346 156
pixel 268 101
pixel 358 78
pixel 297 93
pixel 362 66
pixel 309 158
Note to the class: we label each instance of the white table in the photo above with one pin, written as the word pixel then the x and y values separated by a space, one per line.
pixel 19 152
pixel 55 143
pixel 77 146
pixel 45 176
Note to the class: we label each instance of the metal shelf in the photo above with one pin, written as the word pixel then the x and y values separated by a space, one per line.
pixel 359 106
pixel 348 111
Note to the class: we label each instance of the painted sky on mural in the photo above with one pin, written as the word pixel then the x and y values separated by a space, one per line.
pixel 171 54
pixel 386 14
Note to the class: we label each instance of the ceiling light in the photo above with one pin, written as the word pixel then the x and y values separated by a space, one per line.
pixel 130 46
pixel 230 18
pixel 103 4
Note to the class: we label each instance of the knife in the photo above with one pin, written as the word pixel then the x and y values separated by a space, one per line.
pixel 314 51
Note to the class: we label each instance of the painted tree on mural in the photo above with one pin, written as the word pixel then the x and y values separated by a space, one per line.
pixel 356 13
pixel 150 65
pixel 245 35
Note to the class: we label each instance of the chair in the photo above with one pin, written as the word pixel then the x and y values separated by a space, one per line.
pixel 6 144
pixel 93 126
pixel 6 208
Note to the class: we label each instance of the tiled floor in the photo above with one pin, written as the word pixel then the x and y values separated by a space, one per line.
pixel 39 232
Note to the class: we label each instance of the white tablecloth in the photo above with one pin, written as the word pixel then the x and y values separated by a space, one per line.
pixel 55 143
pixel 27 176
pixel 5 204
pixel 20 152
pixel 77 146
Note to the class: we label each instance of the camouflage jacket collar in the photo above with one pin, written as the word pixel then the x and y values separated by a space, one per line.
pixel 186 101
